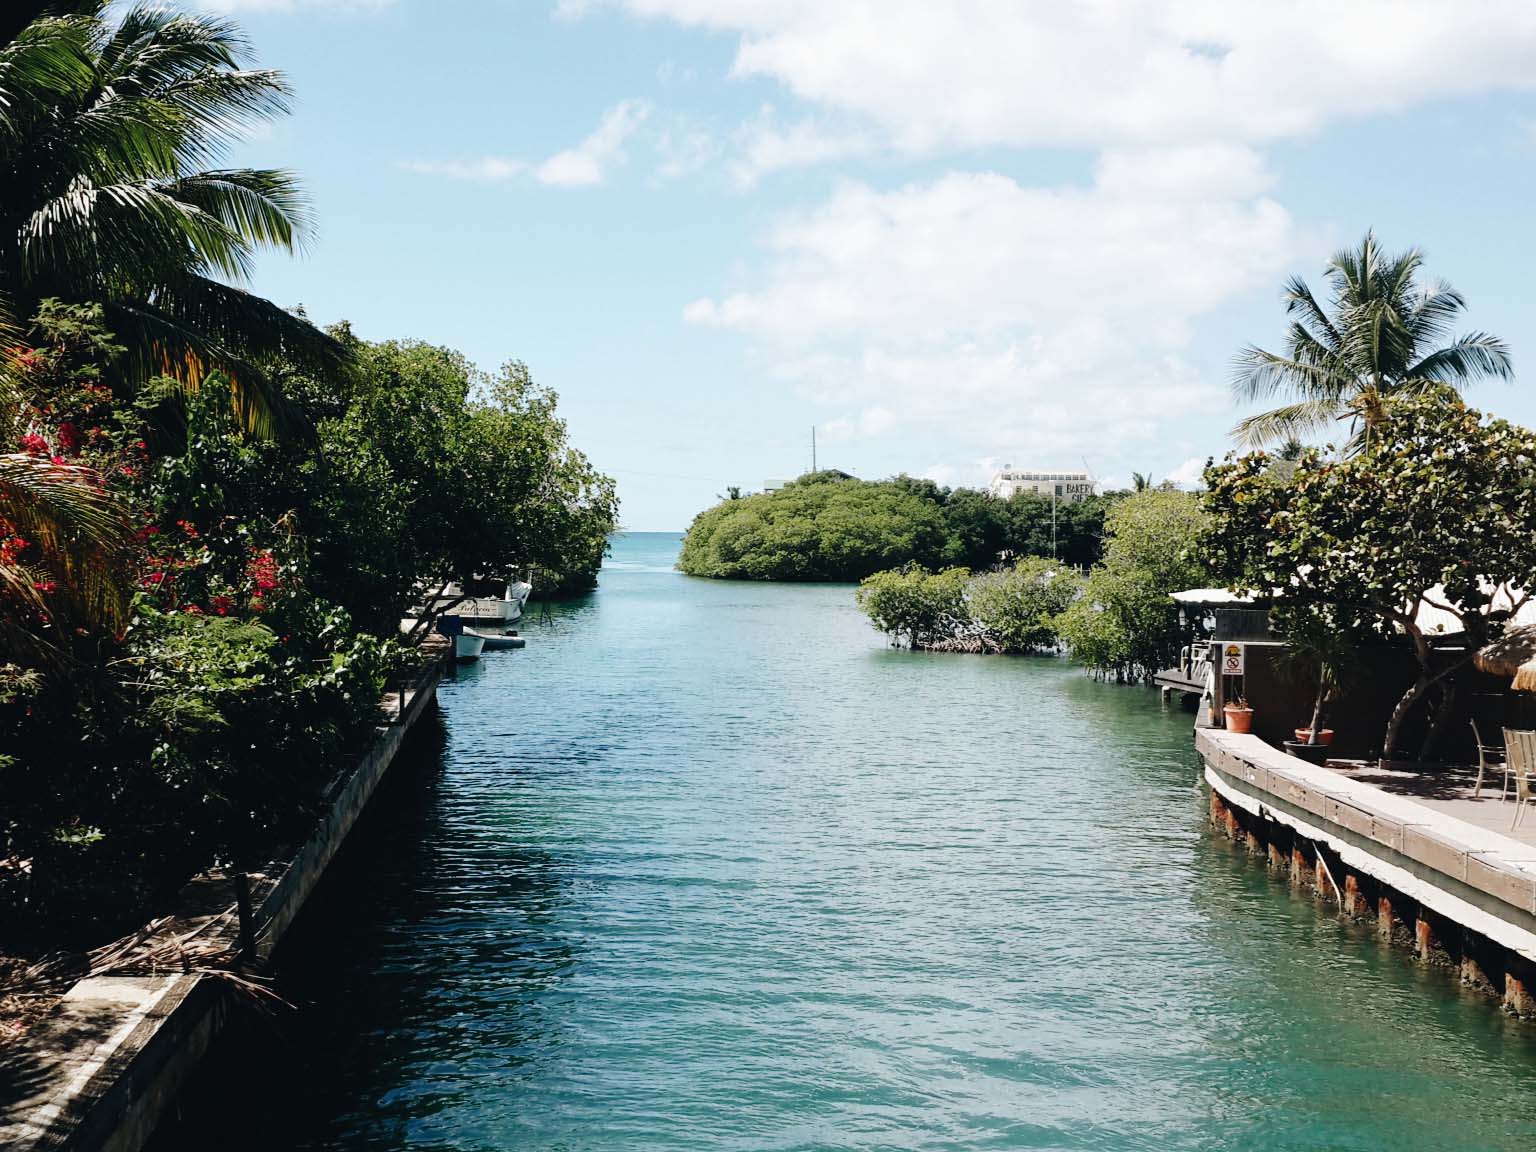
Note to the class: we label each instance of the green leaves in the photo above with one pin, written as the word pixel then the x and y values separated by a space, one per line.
pixel 1373 343
pixel 103 131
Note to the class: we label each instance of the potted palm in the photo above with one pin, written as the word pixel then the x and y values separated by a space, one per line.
pixel 1318 654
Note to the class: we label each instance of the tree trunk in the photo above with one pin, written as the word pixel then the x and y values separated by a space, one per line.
pixel 1317 711
pixel 1400 713
pixel 1439 719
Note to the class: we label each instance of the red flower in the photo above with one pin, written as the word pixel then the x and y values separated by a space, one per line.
pixel 261 569
pixel 222 605
pixel 69 438
pixel 188 527
pixel 46 585
pixel 33 444
pixel 192 610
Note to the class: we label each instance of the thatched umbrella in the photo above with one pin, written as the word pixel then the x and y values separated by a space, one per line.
pixel 1512 654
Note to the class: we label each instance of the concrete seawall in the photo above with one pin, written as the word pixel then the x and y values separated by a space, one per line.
pixel 100 1069
pixel 1452 891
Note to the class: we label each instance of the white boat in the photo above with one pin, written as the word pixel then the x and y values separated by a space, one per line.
pixel 493 610
pixel 487 618
pixel 467 646
pixel 494 640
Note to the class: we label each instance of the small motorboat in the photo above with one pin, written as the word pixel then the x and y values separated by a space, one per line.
pixel 467 646
pixel 494 640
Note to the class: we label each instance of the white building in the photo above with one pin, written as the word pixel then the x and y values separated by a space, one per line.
pixel 1064 486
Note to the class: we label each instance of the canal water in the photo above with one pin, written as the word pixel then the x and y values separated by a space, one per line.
pixel 707 866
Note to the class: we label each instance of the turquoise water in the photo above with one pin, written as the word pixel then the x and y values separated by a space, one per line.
pixel 708 867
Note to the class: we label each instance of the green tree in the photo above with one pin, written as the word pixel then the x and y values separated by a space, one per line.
pixel 1437 510
pixel 106 132
pixel 832 527
pixel 1385 333
pixel 923 606
pixel 1124 625
pixel 1018 607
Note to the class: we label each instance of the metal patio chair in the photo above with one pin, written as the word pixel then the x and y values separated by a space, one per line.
pixel 1489 757
pixel 1520 748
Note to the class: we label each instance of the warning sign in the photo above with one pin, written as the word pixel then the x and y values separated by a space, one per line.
pixel 1232 659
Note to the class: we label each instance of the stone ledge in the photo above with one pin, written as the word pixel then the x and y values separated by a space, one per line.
pixel 99 1069
pixel 1499 866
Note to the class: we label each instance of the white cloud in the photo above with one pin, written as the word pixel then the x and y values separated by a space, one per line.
pixel 582 166
pixel 1033 321
pixel 683 149
pixel 486 169
pixel 765 145
pixel 590 161
pixel 1189 473
pixel 1129 72
pixel 941 474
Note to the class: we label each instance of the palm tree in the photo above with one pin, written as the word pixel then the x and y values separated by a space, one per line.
pixel 104 134
pixel 1384 334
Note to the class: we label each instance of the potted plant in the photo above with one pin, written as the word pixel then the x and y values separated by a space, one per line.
pixel 1239 715
pixel 1319 654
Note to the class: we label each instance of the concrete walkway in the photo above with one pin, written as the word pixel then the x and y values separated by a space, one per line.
pixel 1450 791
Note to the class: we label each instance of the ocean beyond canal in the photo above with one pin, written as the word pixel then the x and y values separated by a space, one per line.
pixel 706 866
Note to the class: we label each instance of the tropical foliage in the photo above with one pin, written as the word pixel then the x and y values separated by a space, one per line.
pixel 826 526
pixel 212 514
pixel 1437 510
pixel 924 607
pixel 109 195
pixel 1017 608
pixel 1385 333
pixel 1012 609
pixel 1124 626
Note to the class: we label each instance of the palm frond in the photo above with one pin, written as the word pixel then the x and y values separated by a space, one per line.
pixel 98 234
pixel 1466 359
pixel 1291 422
pixel 262 206
pixel 76 526
pixel 1299 301
pixel 1260 375
pixel 46 57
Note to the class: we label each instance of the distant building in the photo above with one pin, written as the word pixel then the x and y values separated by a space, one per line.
pixel 1064 486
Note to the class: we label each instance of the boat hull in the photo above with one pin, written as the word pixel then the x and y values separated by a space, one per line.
pixel 467 646
pixel 496 641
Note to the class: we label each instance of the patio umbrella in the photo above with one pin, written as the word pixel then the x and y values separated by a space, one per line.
pixel 1512 654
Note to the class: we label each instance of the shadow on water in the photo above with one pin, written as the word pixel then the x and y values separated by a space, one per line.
pixel 276 1081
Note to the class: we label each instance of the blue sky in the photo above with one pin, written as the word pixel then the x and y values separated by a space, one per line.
pixel 949 236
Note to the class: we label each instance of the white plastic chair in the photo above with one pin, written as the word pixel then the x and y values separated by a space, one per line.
pixel 1489 756
pixel 1520 748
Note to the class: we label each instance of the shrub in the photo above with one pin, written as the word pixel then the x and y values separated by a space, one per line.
pixel 923 606
pixel 1017 607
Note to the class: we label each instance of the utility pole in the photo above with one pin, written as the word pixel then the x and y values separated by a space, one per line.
pixel 813 447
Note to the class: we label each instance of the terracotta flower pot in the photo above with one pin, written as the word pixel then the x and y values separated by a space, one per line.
pixel 1238 719
pixel 1324 736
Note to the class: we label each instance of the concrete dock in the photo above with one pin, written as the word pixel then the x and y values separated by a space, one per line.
pixel 1438 869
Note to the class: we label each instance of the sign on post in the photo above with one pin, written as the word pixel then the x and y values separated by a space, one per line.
pixel 1232 659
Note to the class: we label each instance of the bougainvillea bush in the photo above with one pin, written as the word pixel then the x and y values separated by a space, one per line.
pixel 201 730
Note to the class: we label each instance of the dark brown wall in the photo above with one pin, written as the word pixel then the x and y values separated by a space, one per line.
pixel 1359 718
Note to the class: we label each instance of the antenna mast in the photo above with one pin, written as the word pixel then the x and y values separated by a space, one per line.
pixel 813 447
